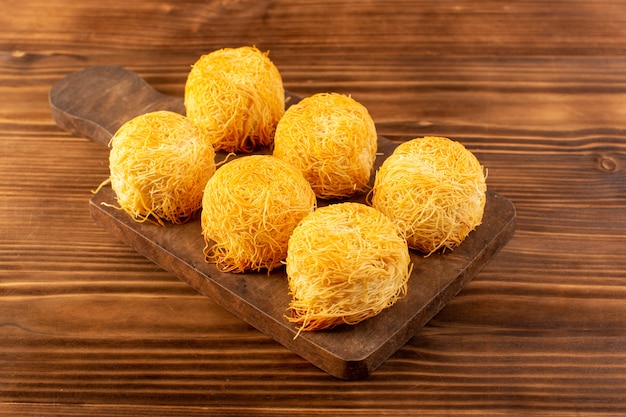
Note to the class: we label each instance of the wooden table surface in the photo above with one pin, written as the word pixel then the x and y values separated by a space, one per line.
pixel 536 89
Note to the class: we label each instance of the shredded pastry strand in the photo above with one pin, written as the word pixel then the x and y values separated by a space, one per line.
pixel 332 138
pixel 435 189
pixel 346 262
pixel 236 95
pixel 159 164
pixel 249 210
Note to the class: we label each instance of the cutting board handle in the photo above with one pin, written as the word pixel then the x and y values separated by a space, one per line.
pixel 94 102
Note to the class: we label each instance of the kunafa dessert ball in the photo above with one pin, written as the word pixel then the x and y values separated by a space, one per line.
pixel 346 262
pixel 237 96
pixel 435 189
pixel 332 139
pixel 249 209
pixel 160 163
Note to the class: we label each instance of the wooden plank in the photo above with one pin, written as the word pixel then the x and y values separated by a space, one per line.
pixel 536 90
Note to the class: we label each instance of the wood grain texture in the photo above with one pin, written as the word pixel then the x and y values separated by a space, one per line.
pixel 536 89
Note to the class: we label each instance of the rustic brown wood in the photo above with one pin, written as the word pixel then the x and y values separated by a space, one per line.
pixel 535 89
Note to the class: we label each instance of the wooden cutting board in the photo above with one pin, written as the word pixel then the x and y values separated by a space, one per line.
pixel 94 102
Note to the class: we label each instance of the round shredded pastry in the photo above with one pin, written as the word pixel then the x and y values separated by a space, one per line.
pixel 332 139
pixel 346 263
pixel 435 189
pixel 237 96
pixel 249 209
pixel 160 163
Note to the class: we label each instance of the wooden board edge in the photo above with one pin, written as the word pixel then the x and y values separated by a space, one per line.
pixel 341 368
